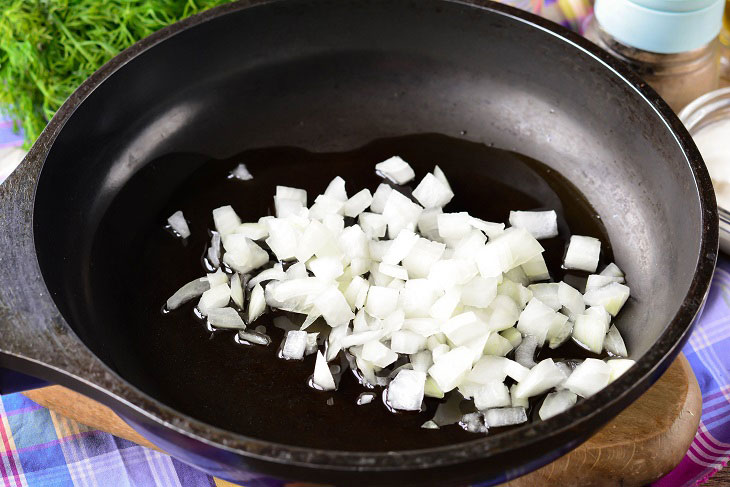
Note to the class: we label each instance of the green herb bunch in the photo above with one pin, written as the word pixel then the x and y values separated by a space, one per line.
pixel 49 47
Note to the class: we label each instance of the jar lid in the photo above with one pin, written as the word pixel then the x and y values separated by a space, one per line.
pixel 661 26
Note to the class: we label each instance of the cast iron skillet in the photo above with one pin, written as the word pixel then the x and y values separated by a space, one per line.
pixel 334 75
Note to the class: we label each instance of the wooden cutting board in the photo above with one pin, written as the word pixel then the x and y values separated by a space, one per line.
pixel 643 443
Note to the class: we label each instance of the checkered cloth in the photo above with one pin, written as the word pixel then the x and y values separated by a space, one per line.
pixel 42 449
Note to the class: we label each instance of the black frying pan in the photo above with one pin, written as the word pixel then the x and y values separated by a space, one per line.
pixel 331 76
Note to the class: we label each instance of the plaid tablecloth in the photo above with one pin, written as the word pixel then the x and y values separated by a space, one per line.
pixel 39 448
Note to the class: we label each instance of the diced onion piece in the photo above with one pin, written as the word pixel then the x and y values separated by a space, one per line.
pixel 512 248
pixel 451 368
pixel 246 262
pixel 254 337
pixel 216 297
pixel 378 354
pixel 560 330
pixel 217 278
pixel 571 299
pixel 431 389
pixel 422 256
pixel 535 320
pixel 322 377
pixel 295 343
pixel 497 345
pixel 583 253
pixel 359 266
pixel 525 352
pixel 535 269
pixel 479 292
pixel 189 291
pixel 439 174
pixel 326 205
pixel 356 292
pixel 618 366
pixel 514 336
pixel 241 173
pixel 589 377
pixel 464 328
pixel 614 343
pixel 556 403
pixel 366 398
pixel 473 423
pixel 275 273
pixel 612 297
pixel 214 251
pixel 400 212
pixel 490 229
pixel 380 197
pixel 354 242
pixel 517 292
pixel 448 273
pixel 600 312
pixel 589 332
pixel 314 238
pixel 254 231
pixel 496 418
pixel 432 192
pixel 435 340
pixel 542 377
pixel 493 394
pixel 284 207
pixel 517 275
pixel 326 268
pixel 422 360
pixel 439 351
pixel 454 225
pixel 430 425
pixel 502 313
pixel 428 223
pixel 334 341
pixel 336 189
pixel 373 224
pixel 401 247
pixel 225 318
pixel 596 281
pixel 283 238
pixel 334 307
pixel 518 402
pixel 292 194
pixel 179 224
pixel 487 369
pixel 612 270
pixel 417 297
pixel 540 224
pixel 226 220
pixel 547 293
pixel 396 170
pixel 406 391
pixel 468 246
pixel 381 301
pixel 404 341
pixel 256 304
pixel 237 290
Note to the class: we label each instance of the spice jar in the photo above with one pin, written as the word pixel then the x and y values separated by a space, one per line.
pixel 670 43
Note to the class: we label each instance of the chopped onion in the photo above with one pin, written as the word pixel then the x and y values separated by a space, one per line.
pixel 417 297
pixel 292 194
pixel 518 402
pixel 254 337
pixel 540 224
pixel 439 174
pixel 322 377
pixel 583 253
pixel 431 389
pixel 422 360
pixel 547 293
pixel 326 205
pixel 611 297
pixel 493 394
pixel 495 418
pixel 245 262
pixel 614 343
pixel 189 291
pixel 404 341
pixel 432 192
pixel 241 172
pixel 354 242
pixel 479 292
pixel 448 273
pixel 596 281
pixel 254 231
pixel 214 251
pixel 535 269
pixel 217 278
pixel 513 335
pixel 525 352
pixel 334 307
pixel 428 223
pixel 179 225
pixel 612 270
pixel 334 341
pixel 502 313
pixel 464 328
pixel 365 398
pixel 275 273
pixel 557 402
pixel 358 203
pixel 257 303
pixel 589 332
pixel 535 320
pixel 381 301
pixel 396 169
pixel 497 345
pixel 571 299
pixel 451 368
pixel 400 213
pixel 380 197
pixel 401 246
pixel 490 229
pixel 487 369
pixel 454 225
pixel 378 354
pixel 473 423
pixel 395 271
pixel 226 220
pixel 225 318
pixel 373 224
pixel 236 290
pixel 422 256
pixel 406 391
pixel 336 189
pixel 215 297
pixel 295 343
pixel 542 377
pixel 618 366
pixel 559 331
pixel 589 377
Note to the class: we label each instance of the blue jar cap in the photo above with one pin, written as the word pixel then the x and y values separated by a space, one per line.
pixel 661 26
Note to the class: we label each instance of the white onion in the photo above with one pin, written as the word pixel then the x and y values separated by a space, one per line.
pixel 479 292
pixel 336 189
pixel 493 394
pixel 583 253
pixel 518 402
pixel 380 197
pixel 454 225
pixel 355 339
pixel 495 418
pixel 611 297
pixel 468 246
pixel 322 377
pixel 275 273
pixel 618 366
pixel 428 223
pixel 254 231
pixel 448 273
pixel 443 308
pixel 326 205
pixel 217 278
pixel 226 220
pixel 432 192
pixel 559 331
pixel 535 320
pixel 335 223
pixel 439 174
pixel 451 368
pixel 189 291
pixel 496 344
pixel 378 354
pixel 589 377
pixel 395 271
pixel 557 402
pixel 381 301
pixel 490 229
pixel 354 242
pixel 425 327
pixel 487 369
pixel 334 341
pixel 542 377
pixel 417 297
pixel 614 343
pixel 513 335
pixel 517 276
pixel 215 297
pixel 295 343
pixel 525 352
pixel 225 318
pixel 589 332
pixel 502 313
pixel 431 389
pixel 326 268
pixel 596 281
pixel 464 328
pixel 179 224
pixel 547 293
pixel 214 251
pixel 237 290
pixel 365 398
pixel 612 270
pixel 373 224
pixel 404 341
pixel 245 262
pixel 406 391
pixel 395 169
pixel 430 425
pixel 422 360
pixel 241 172
pixel 356 292
pixel 422 256
pixel 256 304
pixel 358 203
pixel 401 246
pixel 284 207
pixel 540 224
pixel 400 213
pixel 254 337
pixel 334 307
pixel 292 194
pixel 571 299
pixel 536 269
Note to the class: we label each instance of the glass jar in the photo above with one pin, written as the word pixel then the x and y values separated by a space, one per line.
pixel 679 78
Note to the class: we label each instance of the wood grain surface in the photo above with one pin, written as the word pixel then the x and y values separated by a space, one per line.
pixel 644 442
